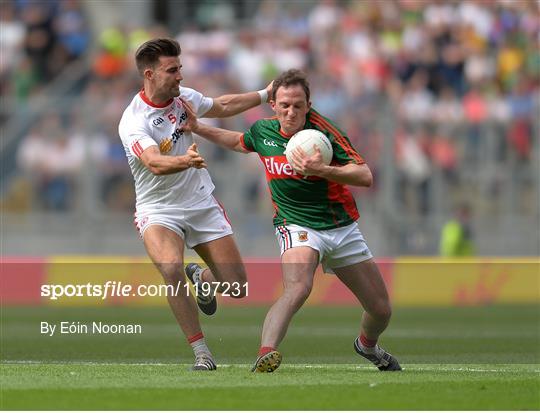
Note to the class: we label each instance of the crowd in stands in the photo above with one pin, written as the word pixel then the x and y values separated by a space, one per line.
pixel 441 76
pixel 39 38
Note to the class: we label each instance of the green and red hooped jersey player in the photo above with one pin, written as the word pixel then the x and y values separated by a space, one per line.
pixel 311 202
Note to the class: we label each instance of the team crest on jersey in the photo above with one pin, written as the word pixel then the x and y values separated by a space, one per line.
pixel 165 145
pixel 302 236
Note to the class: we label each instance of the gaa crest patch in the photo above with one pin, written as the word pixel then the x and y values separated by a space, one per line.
pixel 165 145
pixel 302 236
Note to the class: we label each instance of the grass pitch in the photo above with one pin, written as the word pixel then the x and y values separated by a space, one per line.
pixel 453 358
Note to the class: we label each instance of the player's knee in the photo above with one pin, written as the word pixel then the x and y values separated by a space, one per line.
pixel 382 311
pixel 172 270
pixel 231 274
pixel 298 294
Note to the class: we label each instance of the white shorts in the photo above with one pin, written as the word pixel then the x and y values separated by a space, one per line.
pixel 337 247
pixel 203 222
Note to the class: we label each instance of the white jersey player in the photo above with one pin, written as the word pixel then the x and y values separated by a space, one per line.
pixel 169 199
pixel 175 206
pixel 145 124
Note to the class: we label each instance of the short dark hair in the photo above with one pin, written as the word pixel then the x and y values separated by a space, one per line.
pixel 289 78
pixel 148 54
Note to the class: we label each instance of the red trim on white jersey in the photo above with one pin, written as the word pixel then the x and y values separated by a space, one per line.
pixel 137 226
pixel 150 103
pixel 137 149
pixel 223 211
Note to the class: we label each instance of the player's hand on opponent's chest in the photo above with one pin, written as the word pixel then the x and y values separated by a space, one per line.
pixel 191 123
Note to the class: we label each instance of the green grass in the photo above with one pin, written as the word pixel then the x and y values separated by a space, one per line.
pixel 453 358
pixel 87 386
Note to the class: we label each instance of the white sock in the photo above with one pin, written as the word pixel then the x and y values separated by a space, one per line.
pixel 379 352
pixel 370 350
pixel 200 348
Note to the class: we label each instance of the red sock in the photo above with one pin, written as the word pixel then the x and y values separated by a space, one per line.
pixel 195 337
pixel 366 342
pixel 265 350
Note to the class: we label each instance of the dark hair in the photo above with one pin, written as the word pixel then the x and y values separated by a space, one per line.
pixel 289 78
pixel 149 52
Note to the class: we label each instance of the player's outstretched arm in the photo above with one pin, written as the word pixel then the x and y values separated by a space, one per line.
pixel 226 138
pixel 230 105
pixel 160 164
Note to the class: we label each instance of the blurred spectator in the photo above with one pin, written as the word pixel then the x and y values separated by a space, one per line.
pixel 456 235
pixel 509 60
pixel 11 40
pixel 417 99
pixel 112 59
pixel 520 137
pixel 415 170
pixel 479 68
pixel 40 39
pixel 71 28
pixel 522 108
pixel 109 156
pixel 476 112
pixel 451 72
pixel 247 61
pixel 444 156
pixel 53 160
pixel 324 20
pixel 24 80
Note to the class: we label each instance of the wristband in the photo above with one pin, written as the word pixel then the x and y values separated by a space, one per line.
pixel 263 93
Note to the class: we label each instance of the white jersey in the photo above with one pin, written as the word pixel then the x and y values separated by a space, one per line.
pixel 144 124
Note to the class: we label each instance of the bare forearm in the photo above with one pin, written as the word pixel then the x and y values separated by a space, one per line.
pixel 160 164
pixel 351 174
pixel 230 105
pixel 223 137
pixel 166 165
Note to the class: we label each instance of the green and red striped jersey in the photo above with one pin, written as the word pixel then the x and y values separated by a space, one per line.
pixel 311 202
